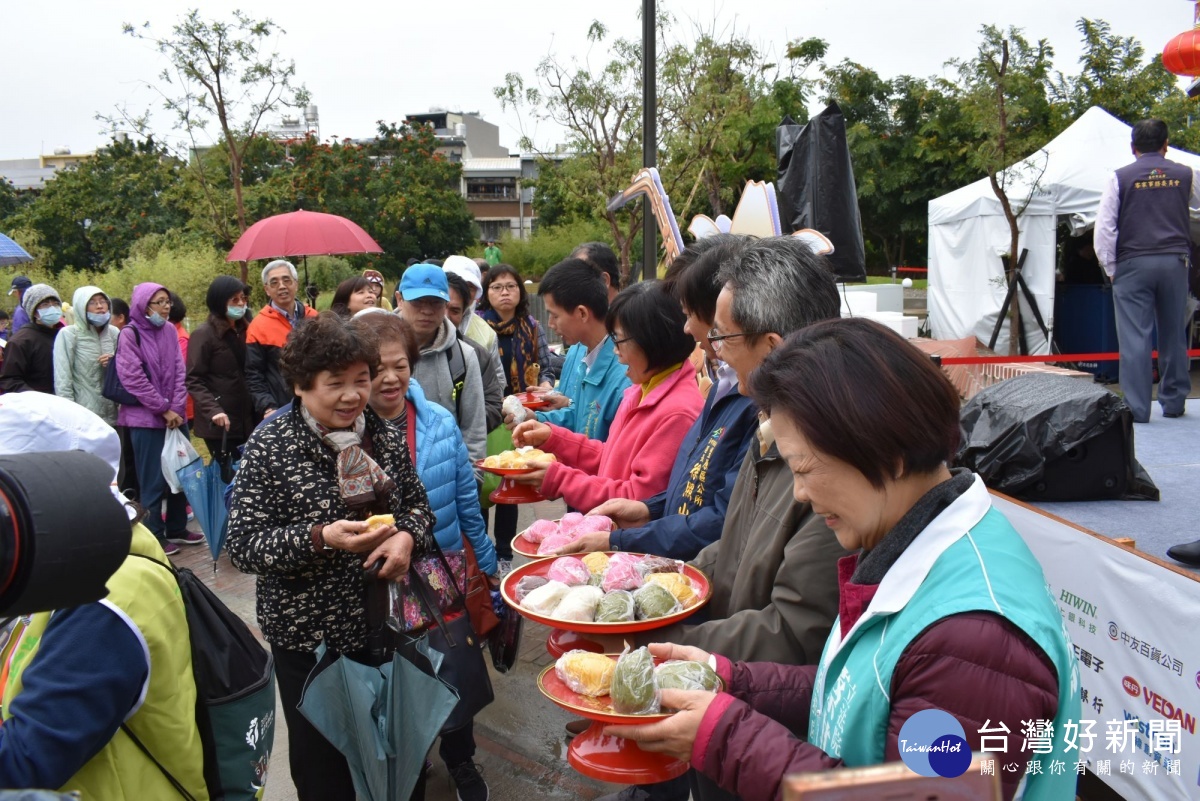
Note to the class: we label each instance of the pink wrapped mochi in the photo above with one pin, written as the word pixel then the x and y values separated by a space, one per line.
pixel 570 570
pixel 540 530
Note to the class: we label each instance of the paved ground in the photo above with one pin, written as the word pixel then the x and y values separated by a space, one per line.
pixel 521 742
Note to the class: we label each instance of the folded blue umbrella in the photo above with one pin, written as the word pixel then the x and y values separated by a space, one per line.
pixel 205 491
pixel 11 253
pixel 382 719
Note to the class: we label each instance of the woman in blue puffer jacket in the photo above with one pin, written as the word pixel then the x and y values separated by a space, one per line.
pixel 437 448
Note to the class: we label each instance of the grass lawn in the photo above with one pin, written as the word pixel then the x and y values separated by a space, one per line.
pixel 918 283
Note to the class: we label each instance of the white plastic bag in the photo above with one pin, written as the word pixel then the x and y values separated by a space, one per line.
pixel 177 453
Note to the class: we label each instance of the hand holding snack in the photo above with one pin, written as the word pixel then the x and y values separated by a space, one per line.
pixel 359 537
pixel 531 433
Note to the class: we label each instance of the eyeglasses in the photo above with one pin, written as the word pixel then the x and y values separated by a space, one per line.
pixel 504 287
pixel 617 343
pixel 275 283
pixel 162 303
pixel 718 340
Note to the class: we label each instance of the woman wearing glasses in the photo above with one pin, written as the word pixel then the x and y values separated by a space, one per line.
pixel 150 366
pixel 524 356
pixel 647 328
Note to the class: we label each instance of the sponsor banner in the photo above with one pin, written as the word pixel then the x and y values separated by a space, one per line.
pixel 1131 622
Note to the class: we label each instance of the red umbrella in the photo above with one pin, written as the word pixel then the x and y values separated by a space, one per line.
pixel 302 233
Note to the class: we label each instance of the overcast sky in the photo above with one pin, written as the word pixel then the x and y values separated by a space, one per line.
pixel 365 60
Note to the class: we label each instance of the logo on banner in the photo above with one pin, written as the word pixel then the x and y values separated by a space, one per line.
pixel 1131 686
pixel 933 743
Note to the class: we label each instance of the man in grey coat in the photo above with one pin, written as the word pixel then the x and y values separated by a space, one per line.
pixel 448 371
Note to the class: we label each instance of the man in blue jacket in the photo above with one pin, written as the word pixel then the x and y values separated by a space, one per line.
pixel 690 513
pixel 592 378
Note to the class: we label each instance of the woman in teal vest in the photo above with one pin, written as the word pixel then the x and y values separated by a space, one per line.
pixel 942 606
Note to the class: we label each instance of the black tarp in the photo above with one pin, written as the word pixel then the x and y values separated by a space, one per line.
pixel 1015 433
pixel 817 190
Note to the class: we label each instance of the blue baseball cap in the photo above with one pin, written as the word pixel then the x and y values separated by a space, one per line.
pixel 424 281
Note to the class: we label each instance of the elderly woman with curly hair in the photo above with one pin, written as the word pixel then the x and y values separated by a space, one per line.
pixel 309 479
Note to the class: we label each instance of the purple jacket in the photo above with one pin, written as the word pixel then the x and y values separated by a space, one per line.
pixel 158 350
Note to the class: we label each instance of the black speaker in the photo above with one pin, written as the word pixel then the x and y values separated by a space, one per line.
pixel 1095 469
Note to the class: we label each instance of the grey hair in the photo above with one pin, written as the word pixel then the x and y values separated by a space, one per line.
pixel 779 286
pixel 280 263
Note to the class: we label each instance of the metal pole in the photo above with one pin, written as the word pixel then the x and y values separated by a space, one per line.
pixel 649 133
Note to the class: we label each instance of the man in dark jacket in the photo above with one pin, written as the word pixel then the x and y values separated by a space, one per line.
pixel 489 360
pixel 267 334
pixel 774 568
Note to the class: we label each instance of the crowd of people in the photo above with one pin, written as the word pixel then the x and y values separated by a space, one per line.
pixel 724 416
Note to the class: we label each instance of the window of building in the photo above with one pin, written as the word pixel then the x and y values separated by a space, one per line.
pixel 491 189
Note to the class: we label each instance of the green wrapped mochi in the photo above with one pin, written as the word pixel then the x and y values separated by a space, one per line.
pixel 616 607
pixel 681 675
pixel 654 600
pixel 633 691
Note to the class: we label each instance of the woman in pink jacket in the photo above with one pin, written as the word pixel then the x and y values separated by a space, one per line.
pixel 646 326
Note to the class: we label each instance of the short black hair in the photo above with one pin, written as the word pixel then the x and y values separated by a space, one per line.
pixel 1149 136
pixel 692 276
pixel 459 284
pixel 220 291
pixel 654 320
pixel 850 386
pixel 119 307
pixel 178 308
pixel 327 342
pixel 602 256
pixel 574 283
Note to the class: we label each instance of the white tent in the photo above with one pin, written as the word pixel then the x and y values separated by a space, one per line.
pixel 967 229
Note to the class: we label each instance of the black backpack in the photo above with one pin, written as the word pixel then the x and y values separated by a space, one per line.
pixel 235 695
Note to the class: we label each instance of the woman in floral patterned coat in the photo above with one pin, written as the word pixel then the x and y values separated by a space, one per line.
pixel 309 479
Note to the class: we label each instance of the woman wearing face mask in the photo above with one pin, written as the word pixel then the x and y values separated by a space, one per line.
pixel 216 368
pixel 151 369
pixel 82 352
pixel 29 357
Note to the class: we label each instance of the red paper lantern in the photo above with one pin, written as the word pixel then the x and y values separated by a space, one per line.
pixel 1182 54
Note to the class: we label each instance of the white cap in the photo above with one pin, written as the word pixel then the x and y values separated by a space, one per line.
pixel 32 422
pixel 465 269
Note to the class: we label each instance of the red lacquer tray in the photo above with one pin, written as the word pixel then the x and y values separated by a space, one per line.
pixel 510 491
pixel 525 548
pixel 540 567
pixel 593 708
pixel 532 401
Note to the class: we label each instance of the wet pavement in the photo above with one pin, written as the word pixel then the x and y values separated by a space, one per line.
pixel 520 738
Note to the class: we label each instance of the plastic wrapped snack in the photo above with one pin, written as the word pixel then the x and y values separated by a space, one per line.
pixel 616 607
pixel 597 563
pixel 585 672
pixel 621 575
pixel 678 585
pixel 545 598
pixel 654 600
pixel 622 558
pixel 540 530
pixel 660 564
pixel 677 674
pixel 596 523
pixel 570 570
pixel 570 522
pixel 527 585
pixel 512 406
pixel 579 604
pixel 633 691
pixel 552 543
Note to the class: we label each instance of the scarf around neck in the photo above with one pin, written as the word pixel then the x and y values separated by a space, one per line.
pixel 361 481
pixel 518 341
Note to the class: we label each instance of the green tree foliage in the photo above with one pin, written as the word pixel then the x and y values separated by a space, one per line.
pixel 396 186
pixel 1114 75
pixel 218 71
pixel 90 215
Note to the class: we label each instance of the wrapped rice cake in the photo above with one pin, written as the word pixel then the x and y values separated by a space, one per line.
pixel 597 562
pixel 677 584
pixel 633 691
pixel 579 604
pixel 586 673
pixel 654 600
pixel 677 674
pixel 570 570
pixel 544 599
pixel 616 607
